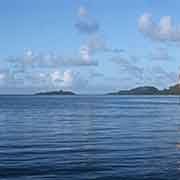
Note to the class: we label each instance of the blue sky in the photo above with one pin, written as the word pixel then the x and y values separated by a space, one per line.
pixel 88 46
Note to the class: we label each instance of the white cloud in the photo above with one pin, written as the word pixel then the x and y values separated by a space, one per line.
pixel 3 78
pixel 64 79
pixel 86 24
pixel 165 30
pixel 29 53
pixel 94 45
pixel 82 11
pixel 55 76
pixel 48 60
pixel 85 53
pixel 38 79
pixel 42 71
pixel 67 79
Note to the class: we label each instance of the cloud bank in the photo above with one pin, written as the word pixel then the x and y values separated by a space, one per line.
pixel 164 30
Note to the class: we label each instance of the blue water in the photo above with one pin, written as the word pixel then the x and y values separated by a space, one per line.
pixel 89 137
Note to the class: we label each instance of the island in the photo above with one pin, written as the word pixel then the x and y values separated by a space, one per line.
pixel 149 90
pixel 60 92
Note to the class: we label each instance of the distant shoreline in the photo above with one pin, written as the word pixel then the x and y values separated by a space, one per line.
pixel 149 90
pixel 60 92
pixel 138 91
pixel 78 95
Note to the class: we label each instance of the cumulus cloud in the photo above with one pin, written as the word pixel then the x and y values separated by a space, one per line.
pixel 42 71
pixel 3 78
pixel 86 23
pixel 67 80
pixel 82 11
pixel 95 45
pixel 164 30
pixel 64 79
pixel 46 60
pixel 51 79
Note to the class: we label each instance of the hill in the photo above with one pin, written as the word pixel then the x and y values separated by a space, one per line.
pixel 149 90
pixel 60 92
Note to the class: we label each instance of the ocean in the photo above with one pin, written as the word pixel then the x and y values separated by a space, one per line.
pixel 89 137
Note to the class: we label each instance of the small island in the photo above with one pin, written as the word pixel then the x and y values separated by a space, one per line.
pixel 60 92
pixel 149 90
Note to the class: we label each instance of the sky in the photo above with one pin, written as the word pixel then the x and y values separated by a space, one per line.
pixel 88 46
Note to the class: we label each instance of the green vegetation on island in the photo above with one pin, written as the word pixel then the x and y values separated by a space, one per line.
pixel 142 90
pixel 149 90
pixel 60 92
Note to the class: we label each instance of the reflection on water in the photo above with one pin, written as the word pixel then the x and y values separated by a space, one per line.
pixel 89 137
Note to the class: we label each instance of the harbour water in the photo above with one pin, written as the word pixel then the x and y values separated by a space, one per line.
pixel 89 137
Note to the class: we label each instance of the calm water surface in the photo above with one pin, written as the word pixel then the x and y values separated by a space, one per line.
pixel 89 137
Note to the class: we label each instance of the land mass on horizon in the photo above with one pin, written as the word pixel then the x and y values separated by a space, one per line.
pixel 141 90
pixel 149 90
pixel 60 92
